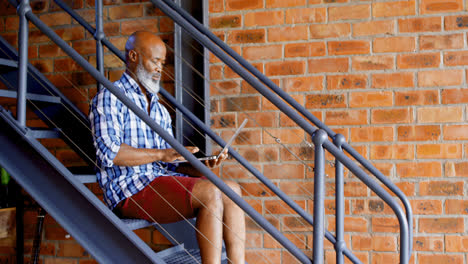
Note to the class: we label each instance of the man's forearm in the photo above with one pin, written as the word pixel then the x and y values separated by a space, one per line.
pixel 130 156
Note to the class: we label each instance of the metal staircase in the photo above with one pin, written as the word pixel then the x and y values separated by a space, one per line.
pixel 95 227
pixel 55 112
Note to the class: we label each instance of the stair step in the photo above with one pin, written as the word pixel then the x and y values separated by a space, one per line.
pixel 180 255
pixel 53 106
pixel 31 96
pixel 8 63
pixel 43 133
pixel 86 178
pixel 134 224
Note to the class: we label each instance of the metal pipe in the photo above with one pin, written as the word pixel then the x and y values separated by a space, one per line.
pixel 384 195
pixel 172 141
pixel 319 195
pixel 206 73
pixel 99 36
pixel 339 203
pixel 23 39
pixel 392 187
pixel 178 78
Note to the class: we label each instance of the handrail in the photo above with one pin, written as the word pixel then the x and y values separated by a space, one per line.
pixel 404 236
pixel 176 145
pixel 270 84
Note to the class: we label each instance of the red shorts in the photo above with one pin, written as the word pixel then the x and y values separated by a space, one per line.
pixel 166 199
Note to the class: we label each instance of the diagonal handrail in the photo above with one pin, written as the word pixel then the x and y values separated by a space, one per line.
pixel 205 41
pixel 270 84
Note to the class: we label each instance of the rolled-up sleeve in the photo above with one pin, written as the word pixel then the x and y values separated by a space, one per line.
pixel 106 119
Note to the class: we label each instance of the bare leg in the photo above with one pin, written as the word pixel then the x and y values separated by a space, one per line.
pixel 234 228
pixel 207 198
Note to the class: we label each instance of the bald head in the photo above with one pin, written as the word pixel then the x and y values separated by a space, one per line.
pixel 141 40
pixel 145 52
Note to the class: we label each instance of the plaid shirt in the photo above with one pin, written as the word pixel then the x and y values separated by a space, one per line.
pixel 112 124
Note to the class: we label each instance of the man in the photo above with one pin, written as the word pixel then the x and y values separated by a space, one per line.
pixel 136 175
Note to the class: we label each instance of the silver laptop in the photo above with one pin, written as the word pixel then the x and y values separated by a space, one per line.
pixel 228 144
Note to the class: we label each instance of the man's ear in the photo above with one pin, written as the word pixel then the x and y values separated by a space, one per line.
pixel 133 56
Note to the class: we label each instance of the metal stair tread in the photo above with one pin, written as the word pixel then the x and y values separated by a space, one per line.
pixel 183 256
pixel 134 224
pixel 31 96
pixel 8 64
pixel 43 133
pixel 86 178
pixel 50 105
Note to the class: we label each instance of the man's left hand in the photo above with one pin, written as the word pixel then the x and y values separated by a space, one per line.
pixel 216 162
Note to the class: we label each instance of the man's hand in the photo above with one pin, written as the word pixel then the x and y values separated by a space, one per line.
pixel 169 155
pixel 216 162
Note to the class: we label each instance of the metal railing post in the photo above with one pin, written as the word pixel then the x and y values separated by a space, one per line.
pixel 99 36
pixel 319 195
pixel 23 39
pixel 178 77
pixel 340 244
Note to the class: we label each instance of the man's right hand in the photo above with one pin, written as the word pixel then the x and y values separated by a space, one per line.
pixel 169 155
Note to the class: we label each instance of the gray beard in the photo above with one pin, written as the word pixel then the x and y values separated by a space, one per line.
pixel 145 78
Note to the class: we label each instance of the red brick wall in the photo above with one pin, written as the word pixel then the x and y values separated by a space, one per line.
pixel 391 77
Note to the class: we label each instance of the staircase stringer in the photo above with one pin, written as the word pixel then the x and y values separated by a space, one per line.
pixel 67 200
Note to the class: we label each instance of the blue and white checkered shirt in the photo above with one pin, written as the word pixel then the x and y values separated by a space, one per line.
pixel 112 124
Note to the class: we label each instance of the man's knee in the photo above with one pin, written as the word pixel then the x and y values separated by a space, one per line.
pixel 207 193
pixel 234 186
